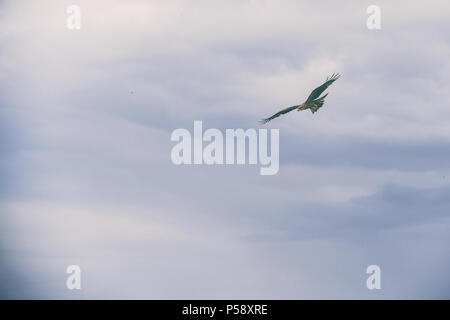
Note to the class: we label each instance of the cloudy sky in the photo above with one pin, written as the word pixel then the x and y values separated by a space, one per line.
pixel 86 176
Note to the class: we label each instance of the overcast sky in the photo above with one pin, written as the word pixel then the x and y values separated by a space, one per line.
pixel 86 177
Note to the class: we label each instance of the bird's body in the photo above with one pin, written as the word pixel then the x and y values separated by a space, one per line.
pixel 314 102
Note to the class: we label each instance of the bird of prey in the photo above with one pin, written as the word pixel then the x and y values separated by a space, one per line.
pixel 313 102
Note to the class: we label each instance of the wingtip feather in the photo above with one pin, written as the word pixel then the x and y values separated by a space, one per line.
pixel 334 77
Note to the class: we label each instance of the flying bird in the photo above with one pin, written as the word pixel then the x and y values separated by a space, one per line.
pixel 313 102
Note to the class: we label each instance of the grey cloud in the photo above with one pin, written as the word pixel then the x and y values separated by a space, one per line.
pixel 390 209
pixel 355 152
pixel 85 142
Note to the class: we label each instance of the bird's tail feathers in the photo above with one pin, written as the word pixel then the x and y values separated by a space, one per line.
pixel 318 103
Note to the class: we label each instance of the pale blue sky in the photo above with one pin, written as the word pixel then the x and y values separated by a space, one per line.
pixel 87 177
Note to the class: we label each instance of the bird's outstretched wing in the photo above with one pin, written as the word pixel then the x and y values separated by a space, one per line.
pixel 314 101
pixel 276 115
pixel 318 91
